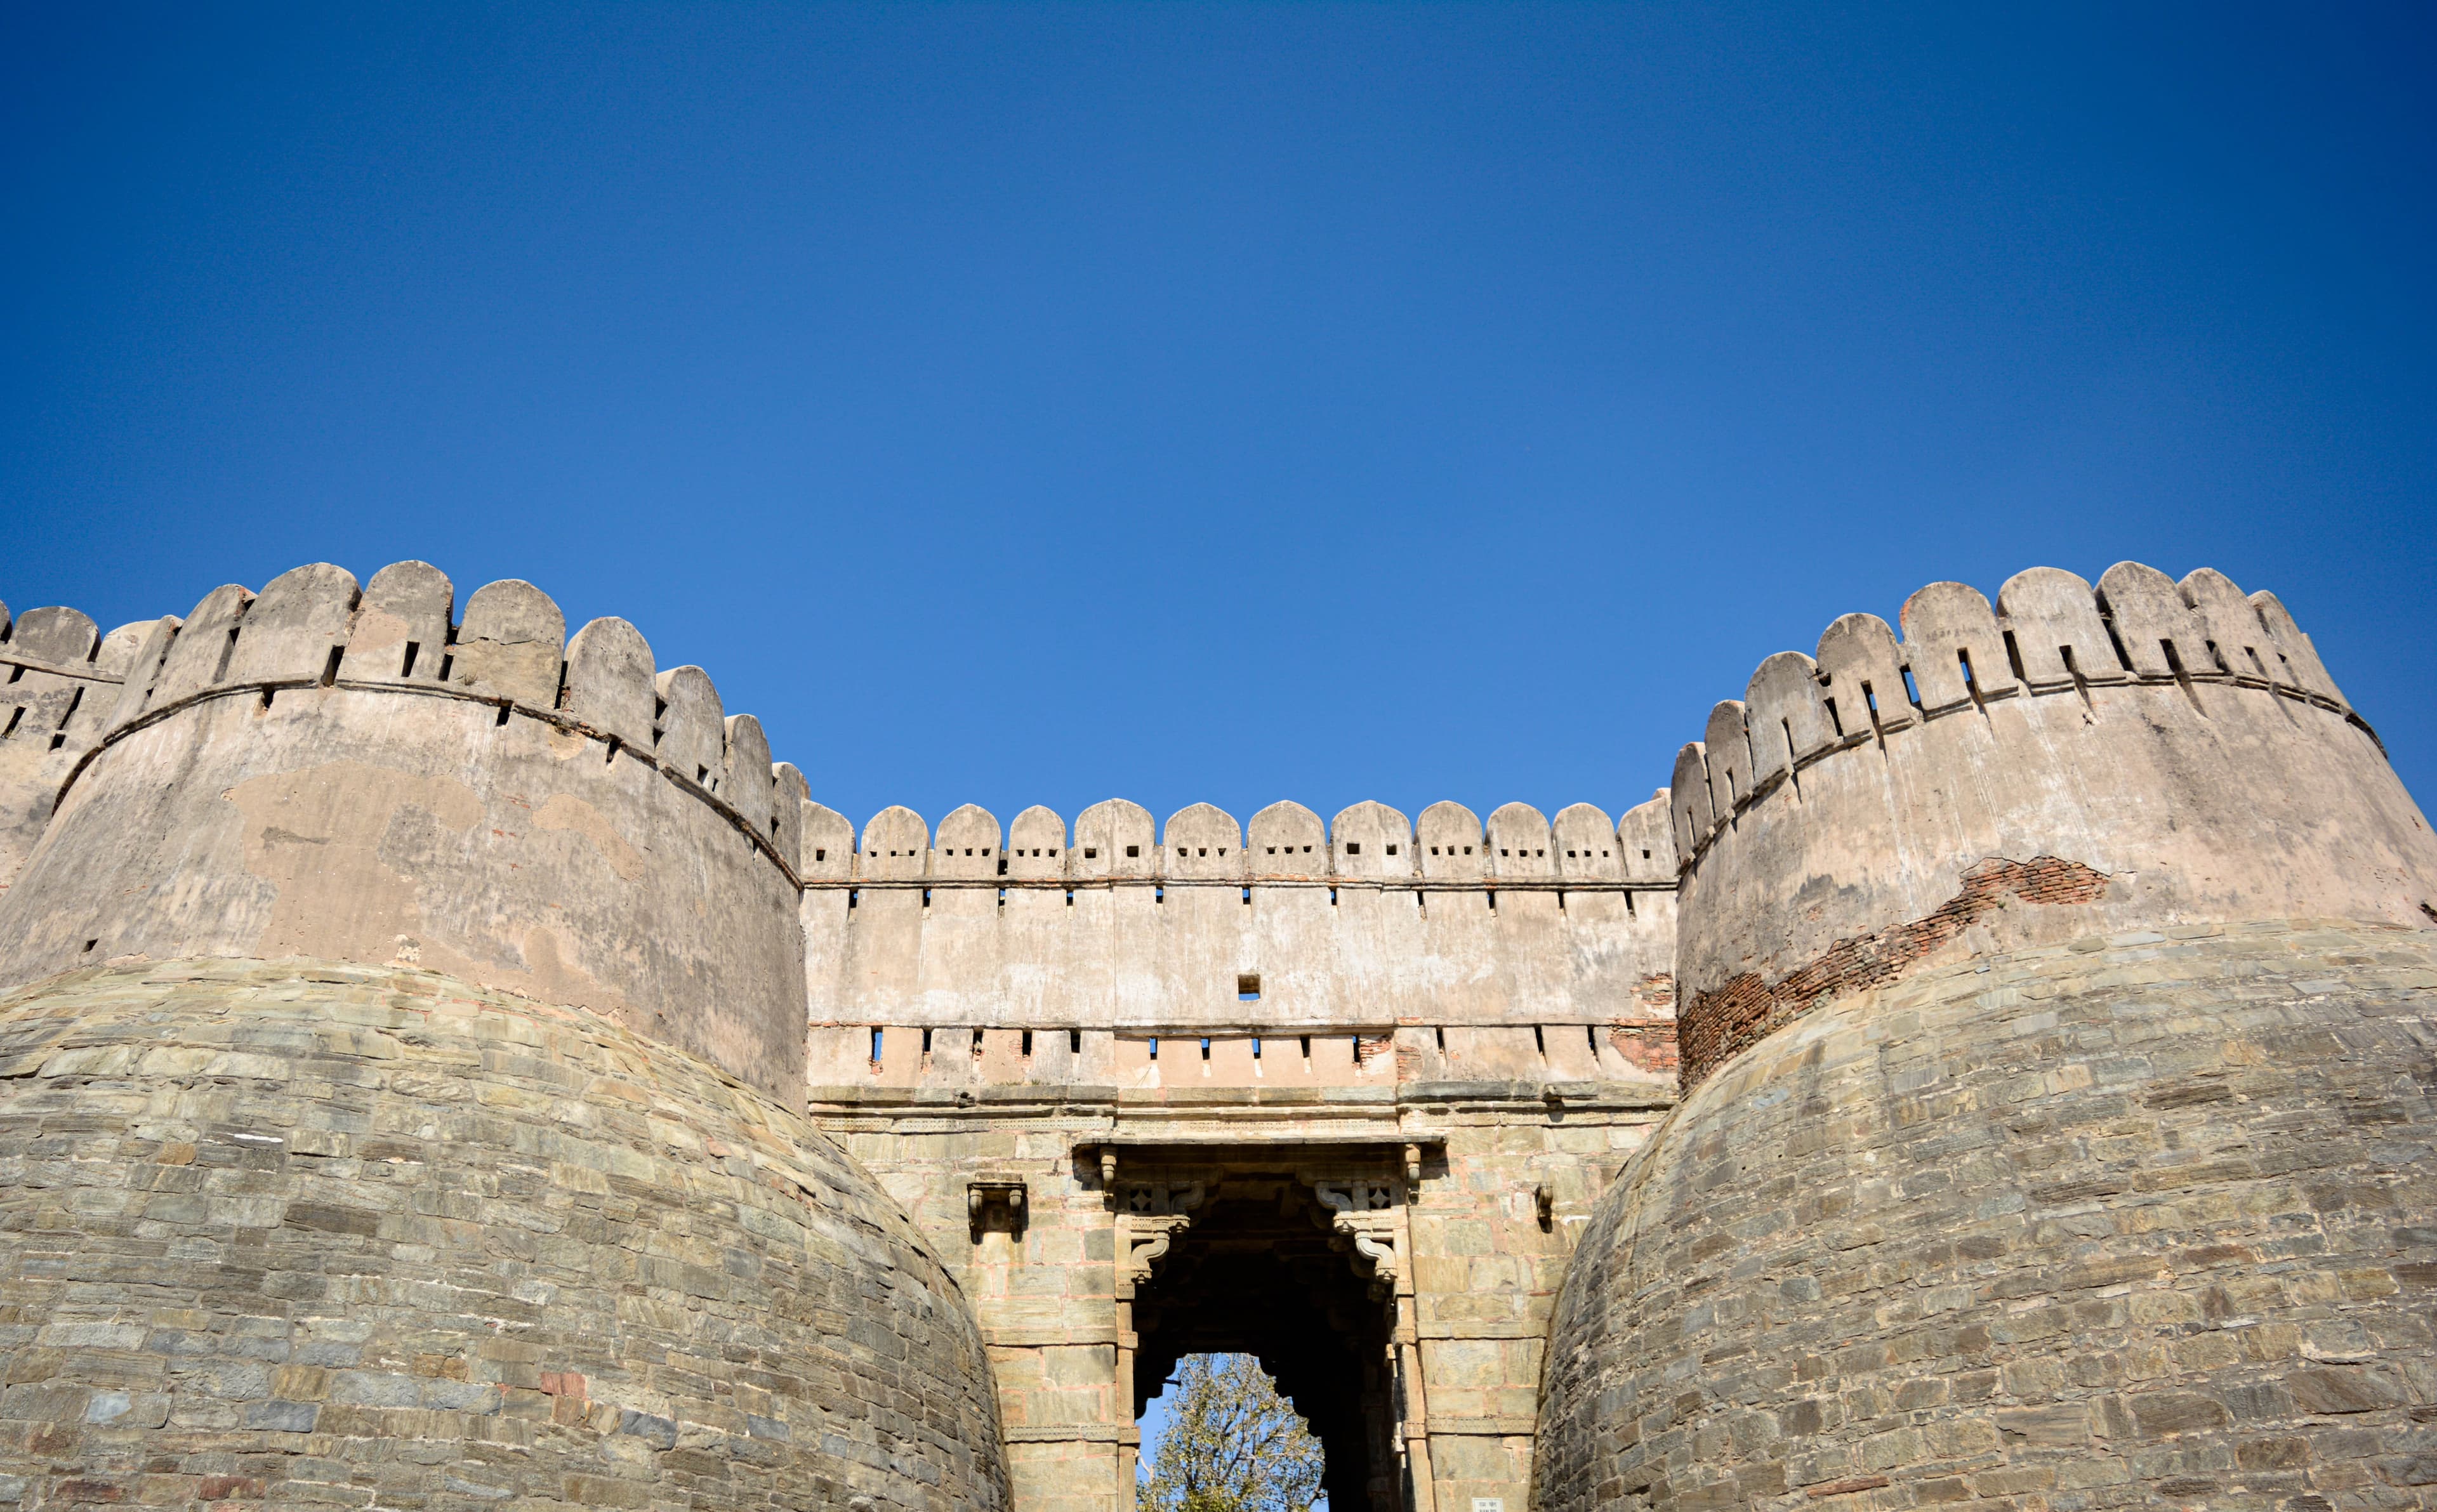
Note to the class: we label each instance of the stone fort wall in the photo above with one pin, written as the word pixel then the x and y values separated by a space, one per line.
pixel 1475 1020
pixel 2056 1025
pixel 2052 984
pixel 2141 1220
pixel 400 1093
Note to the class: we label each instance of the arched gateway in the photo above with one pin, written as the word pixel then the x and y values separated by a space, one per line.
pixel 1323 1097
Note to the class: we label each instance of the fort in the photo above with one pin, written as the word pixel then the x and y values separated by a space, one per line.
pixel 445 1062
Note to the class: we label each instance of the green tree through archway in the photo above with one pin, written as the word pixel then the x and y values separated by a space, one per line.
pixel 1232 1444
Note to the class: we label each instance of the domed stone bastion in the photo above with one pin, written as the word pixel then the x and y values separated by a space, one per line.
pixel 400 1092
pixel 2058 1034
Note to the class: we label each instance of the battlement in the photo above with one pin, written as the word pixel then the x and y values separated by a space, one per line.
pixel 1117 842
pixel 360 775
pixel 2071 762
pixel 1271 952
pixel 60 680
pixel 363 774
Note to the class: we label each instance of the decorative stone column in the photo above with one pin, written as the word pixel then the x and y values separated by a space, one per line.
pixel 1148 1216
pixel 1371 1215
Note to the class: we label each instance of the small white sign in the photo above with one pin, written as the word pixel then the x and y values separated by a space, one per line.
pixel 1489 1504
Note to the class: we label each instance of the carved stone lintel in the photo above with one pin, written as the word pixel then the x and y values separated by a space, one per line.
pixel 1159 1197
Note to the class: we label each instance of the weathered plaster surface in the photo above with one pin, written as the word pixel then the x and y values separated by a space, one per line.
pixel 264 797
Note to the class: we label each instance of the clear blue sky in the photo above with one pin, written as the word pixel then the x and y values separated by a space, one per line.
pixel 1201 403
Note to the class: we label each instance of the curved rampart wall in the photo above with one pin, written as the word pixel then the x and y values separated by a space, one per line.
pixel 362 776
pixel 1304 951
pixel 2071 762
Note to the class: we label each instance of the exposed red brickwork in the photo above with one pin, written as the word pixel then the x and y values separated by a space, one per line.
pixel 1656 993
pixel 1649 1043
pixel 1746 1010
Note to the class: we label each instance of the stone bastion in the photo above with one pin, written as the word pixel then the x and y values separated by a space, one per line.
pixel 445 1062
pixel 401 1097
pixel 2056 1037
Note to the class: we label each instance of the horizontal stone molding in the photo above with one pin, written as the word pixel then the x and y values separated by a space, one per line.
pixel 1517 1427
pixel 1073 1434
pixel 1050 1338
pixel 1549 1057
pixel 83 673
pixel 1104 884
pixel 1435 1329
pixel 1371 1115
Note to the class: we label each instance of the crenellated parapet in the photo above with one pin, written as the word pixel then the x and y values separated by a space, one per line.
pixel 1286 952
pixel 60 680
pixel 2067 763
pixel 368 775
pixel 1118 841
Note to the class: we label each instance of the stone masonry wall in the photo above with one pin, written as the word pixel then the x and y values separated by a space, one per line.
pixel 1487 1268
pixel 2142 1221
pixel 320 1234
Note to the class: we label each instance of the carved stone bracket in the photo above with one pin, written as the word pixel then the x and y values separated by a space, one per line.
pixel 985 1193
pixel 1364 1214
pixel 1149 1216
pixel 1147 1241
